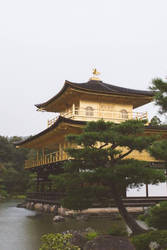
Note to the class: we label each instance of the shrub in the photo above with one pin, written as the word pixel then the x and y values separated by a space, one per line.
pixel 118 231
pixel 142 217
pixel 91 235
pixel 57 242
pixel 157 216
pixel 142 241
pixel 3 194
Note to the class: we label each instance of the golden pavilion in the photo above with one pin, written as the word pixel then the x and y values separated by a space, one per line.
pixel 74 106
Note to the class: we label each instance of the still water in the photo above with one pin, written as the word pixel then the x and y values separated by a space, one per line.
pixel 21 229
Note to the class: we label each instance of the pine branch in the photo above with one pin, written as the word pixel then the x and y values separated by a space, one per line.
pixel 103 145
pixel 113 146
pixel 127 153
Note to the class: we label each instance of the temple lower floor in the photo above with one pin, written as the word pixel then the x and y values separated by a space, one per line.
pixel 44 191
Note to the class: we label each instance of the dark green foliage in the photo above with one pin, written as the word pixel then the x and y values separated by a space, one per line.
pixel 94 167
pixel 57 242
pixel 142 241
pixel 99 170
pixel 91 235
pixel 142 217
pixel 159 87
pixel 155 121
pixel 13 178
pixel 158 150
pixel 157 216
pixel 116 230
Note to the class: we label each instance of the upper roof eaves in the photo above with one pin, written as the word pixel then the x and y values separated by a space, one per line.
pixel 97 86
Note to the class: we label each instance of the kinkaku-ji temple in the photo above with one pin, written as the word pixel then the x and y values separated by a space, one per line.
pixel 76 104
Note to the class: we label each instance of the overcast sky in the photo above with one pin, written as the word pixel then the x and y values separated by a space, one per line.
pixel 44 43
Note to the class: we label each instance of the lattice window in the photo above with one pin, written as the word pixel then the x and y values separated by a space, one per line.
pixel 124 114
pixel 89 111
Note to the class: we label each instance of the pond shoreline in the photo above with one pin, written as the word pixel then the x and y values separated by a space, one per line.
pixel 22 228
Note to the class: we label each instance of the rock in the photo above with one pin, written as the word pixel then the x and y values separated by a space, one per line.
pixel 46 208
pixel 154 245
pixel 78 239
pixel 53 209
pixel 38 207
pixel 28 205
pixel 62 211
pixel 58 218
pixel 108 242
pixel 31 206
pixel 21 205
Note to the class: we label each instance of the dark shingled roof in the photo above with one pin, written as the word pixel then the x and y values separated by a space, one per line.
pixel 108 88
pixel 45 131
pixel 98 86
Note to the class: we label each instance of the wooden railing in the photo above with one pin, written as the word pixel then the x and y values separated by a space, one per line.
pixel 46 159
pixel 52 121
pixel 93 115
pixel 45 197
pixel 55 197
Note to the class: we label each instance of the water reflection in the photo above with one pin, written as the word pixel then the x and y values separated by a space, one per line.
pixel 21 229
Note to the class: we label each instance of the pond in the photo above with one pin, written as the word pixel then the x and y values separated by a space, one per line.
pixel 21 229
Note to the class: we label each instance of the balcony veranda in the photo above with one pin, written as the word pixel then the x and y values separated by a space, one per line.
pixel 46 160
pixel 84 114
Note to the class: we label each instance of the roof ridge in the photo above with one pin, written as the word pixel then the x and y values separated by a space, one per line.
pixel 104 85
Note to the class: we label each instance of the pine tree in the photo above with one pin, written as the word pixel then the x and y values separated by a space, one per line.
pixel 159 87
pixel 155 121
pixel 101 167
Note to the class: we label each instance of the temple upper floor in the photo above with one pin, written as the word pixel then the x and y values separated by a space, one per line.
pixel 89 111
pixel 95 99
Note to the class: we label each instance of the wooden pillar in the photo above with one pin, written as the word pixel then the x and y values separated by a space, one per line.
pixel 147 194
pixel 50 186
pixel 43 186
pixel 64 153
pixel 73 109
pixel 37 184
pixel 59 152
pixel 43 156
pixel 37 157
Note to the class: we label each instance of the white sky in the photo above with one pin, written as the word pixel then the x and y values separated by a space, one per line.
pixel 42 43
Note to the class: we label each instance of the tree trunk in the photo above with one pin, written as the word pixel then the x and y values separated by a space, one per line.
pixel 129 220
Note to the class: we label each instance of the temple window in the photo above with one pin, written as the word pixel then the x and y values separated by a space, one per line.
pixel 89 111
pixel 124 114
pixel 76 109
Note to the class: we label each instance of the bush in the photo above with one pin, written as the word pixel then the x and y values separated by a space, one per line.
pixel 142 241
pixel 118 231
pixel 91 235
pixel 157 216
pixel 57 242
pixel 142 217
pixel 3 194
pixel 19 196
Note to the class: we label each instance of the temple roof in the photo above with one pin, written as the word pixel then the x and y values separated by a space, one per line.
pixel 98 87
pixel 80 124
pixel 59 121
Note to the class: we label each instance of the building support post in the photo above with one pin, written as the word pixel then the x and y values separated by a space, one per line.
pixel 37 186
pixel 43 156
pixel 73 109
pixel 147 194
